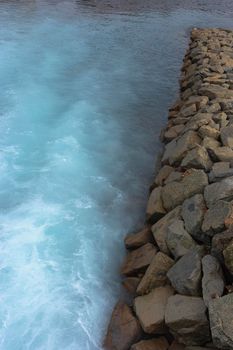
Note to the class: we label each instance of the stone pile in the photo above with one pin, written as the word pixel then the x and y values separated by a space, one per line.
pixel 179 268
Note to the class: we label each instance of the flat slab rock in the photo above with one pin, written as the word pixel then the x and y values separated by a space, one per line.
pixel 123 330
pixel 151 344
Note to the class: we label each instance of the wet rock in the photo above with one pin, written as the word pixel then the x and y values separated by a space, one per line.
pixel 136 240
pixel 163 174
pixel 219 190
pixel 150 309
pixel 221 320
pixel 186 318
pixel 151 344
pixel 138 260
pixel 131 284
pixel 228 256
pixel 219 171
pixel 185 276
pixel 124 329
pixel 179 241
pixel 227 136
pixel 174 193
pixel 217 218
pixel 156 274
pixel 212 281
pixel 155 205
pixel 160 229
pixel 220 242
pixel 216 91
pixel 197 158
pixel 208 131
pixel 193 210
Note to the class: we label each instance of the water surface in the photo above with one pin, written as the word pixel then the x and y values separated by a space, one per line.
pixel 85 87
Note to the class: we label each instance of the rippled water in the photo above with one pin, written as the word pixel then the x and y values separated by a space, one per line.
pixel 85 86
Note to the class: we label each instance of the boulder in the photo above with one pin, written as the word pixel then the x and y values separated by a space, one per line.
pixel 219 171
pixel 123 330
pixel 228 256
pixel 208 131
pixel 189 110
pixel 227 136
pixel 150 309
pixel 160 229
pixel 136 240
pixel 186 318
pixel 197 158
pixel 179 241
pixel 216 91
pixel 221 320
pixel 164 172
pixel 174 176
pixel 212 280
pixel 138 260
pixel 174 193
pixel 176 346
pixel 220 242
pixel 156 274
pixel 155 205
pixel 219 190
pixel 218 217
pixel 199 348
pixel 193 210
pixel 210 144
pixel 221 154
pixel 131 284
pixel 151 344
pixel 173 132
pixel 198 121
pixel 185 276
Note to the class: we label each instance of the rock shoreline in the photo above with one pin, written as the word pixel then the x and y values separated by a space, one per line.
pixel 179 267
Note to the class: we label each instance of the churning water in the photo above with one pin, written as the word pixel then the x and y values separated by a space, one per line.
pixel 85 86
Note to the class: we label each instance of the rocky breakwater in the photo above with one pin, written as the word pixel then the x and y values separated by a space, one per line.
pixel 179 267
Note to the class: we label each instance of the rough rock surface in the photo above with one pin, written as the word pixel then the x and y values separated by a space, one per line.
pixel 219 190
pixel 212 281
pixel 228 256
pixel 151 344
pixel 219 216
pixel 136 240
pixel 155 205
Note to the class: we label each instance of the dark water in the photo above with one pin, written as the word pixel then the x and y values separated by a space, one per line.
pixel 85 87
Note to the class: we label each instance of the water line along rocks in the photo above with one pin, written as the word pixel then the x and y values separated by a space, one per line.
pixel 179 268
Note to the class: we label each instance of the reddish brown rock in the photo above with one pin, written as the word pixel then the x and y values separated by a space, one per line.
pixel 124 329
pixel 176 346
pixel 131 284
pixel 136 240
pixel 152 344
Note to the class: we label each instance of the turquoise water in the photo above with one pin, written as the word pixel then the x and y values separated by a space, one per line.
pixel 85 87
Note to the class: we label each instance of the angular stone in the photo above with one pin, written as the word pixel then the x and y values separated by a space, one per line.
pixel 155 205
pixel 197 121
pixel 227 136
pixel 220 242
pixel 160 229
pixel 123 330
pixel 221 320
pixel 174 193
pixel 193 210
pixel 186 111
pixel 219 190
pixel 136 240
pixel 173 132
pixel 163 174
pixel 156 274
pixel 208 131
pixel 221 154
pixel 212 280
pixel 185 276
pixel 218 217
pixel 210 144
pixel 138 260
pixel 200 101
pixel 174 176
pixel 228 256
pixel 150 309
pixel 197 158
pixel 199 348
pixel 131 284
pixel 151 344
pixel 216 91
pixel 219 171
pixel 186 318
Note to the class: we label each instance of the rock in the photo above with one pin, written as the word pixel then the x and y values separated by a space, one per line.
pixel 163 174
pixel 174 193
pixel 197 158
pixel 217 218
pixel 210 144
pixel 228 256
pixel 176 149
pixel 155 205
pixel 179 241
pixel 221 154
pixel 221 320
pixel 173 132
pixel 220 242
pixel 156 274
pixel 216 91
pixel 221 119
pixel 138 260
pixel 174 176
pixel 193 210
pixel 227 136
pixel 131 284
pixel 186 318
pixel 208 131
pixel 198 348
pixel 151 344
pixel 219 190
pixel 176 346
pixel 160 229
pixel 136 240
pixel 197 121
pixel 219 171
pixel 124 329
pixel 200 101
pixel 185 276
pixel 150 309
pixel 189 110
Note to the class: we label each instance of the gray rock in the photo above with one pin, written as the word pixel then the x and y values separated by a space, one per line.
pixel 221 154
pixel 186 318
pixel 219 190
pixel 160 229
pixel 217 217
pixel 219 171
pixel 221 320
pixel 155 205
pixel 212 281
pixel 185 276
pixel 216 91
pixel 192 182
pixel 210 144
pixel 193 210
pixel 150 309
pixel 199 348
pixel 197 158
pixel 179 241
pixel 156 274
pixel 227 136
pixel 228 256
pixel 220 242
